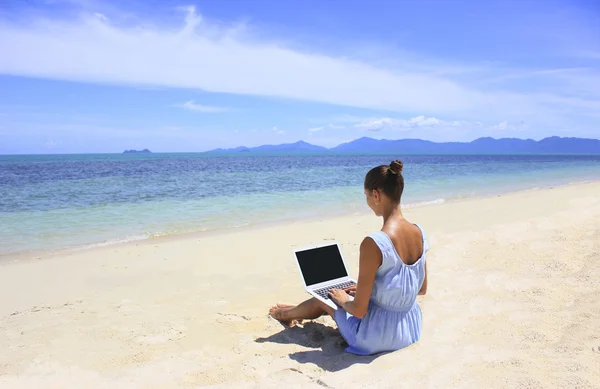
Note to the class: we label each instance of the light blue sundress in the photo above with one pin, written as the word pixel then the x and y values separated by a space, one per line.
pixel 394 317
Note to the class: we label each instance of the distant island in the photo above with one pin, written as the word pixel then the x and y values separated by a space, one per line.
pixel 487 145
pixel 136 151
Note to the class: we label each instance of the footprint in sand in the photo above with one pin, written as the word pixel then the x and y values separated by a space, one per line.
pixel 232 317
pixel 285 377
pixel 36 308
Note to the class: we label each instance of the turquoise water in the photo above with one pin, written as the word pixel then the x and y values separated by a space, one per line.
pixel 55 202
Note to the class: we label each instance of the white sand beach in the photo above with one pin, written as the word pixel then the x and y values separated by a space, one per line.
pixel 513 302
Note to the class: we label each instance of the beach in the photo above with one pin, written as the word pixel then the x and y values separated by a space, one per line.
pixel 513 301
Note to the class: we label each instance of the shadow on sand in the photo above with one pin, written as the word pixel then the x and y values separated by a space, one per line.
pixel 327 342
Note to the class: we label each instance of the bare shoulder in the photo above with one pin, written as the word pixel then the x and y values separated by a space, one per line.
pixel 368 246
pixel 370 251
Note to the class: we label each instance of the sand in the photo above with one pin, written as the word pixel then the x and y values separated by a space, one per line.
pixel 513 302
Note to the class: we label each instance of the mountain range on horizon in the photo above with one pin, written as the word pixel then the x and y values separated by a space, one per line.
pixel 485 145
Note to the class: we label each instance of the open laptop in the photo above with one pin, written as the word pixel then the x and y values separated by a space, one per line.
pixel 322 268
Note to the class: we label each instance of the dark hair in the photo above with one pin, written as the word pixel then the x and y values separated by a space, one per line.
pixel 388 179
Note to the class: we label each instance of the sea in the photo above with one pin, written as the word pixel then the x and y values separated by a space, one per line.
pixel 61 202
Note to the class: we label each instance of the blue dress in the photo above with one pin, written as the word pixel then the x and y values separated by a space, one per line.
pixel 393 320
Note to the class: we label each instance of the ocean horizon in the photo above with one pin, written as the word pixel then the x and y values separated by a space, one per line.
pixel 63 201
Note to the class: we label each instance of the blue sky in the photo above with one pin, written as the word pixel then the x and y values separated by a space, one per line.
pixel 99 76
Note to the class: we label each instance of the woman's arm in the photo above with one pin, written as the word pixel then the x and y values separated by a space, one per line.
pixel 424 286
pixel 369 262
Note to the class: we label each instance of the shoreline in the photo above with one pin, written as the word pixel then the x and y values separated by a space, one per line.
pixel 169 238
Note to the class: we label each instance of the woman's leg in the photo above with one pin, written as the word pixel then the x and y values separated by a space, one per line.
pixel 310 309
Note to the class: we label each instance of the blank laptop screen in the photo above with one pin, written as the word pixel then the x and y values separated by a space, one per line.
pixel 321 264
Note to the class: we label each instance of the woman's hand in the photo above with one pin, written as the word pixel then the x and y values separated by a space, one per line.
pixel 351 290
pixel 339 296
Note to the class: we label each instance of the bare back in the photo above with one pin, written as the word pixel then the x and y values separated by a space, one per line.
pixel 407 239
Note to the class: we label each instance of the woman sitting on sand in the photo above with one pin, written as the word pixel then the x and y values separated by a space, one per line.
pixel 384 315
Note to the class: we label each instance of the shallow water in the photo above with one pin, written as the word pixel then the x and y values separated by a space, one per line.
pixel 59 201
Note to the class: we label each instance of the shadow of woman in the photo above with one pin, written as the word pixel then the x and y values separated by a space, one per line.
pixel 327 342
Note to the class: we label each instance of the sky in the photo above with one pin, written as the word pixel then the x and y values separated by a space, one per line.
pixel 91 76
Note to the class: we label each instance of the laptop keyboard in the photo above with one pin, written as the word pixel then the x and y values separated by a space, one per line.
pixel 324 292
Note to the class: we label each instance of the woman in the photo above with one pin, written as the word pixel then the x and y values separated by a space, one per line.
pixel 384 314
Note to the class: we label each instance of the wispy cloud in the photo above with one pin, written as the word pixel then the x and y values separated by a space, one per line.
pixel 436 129
pixel 203 56
pixel 277 130
pixel 101 16
pixel 321 128
pixel 192 106
pixel 396 124
pixel 506 126
pixel 105 47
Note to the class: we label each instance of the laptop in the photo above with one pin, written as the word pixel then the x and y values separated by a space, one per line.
pixel 322 268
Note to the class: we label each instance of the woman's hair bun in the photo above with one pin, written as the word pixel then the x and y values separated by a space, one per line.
pixel 396 167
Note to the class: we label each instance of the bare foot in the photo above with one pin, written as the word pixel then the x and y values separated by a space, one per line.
pixel 279 311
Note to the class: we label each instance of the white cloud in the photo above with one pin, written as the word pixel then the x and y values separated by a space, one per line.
pixel 439 129
pixel 202 56
pixel 395 124
pixel 505 126
pixel 101 16
pixel 422 121
pixel 378 124
pixel 110 48
pixel 192 106
pixel 330 126
pixel 500 126
pixel 277 130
